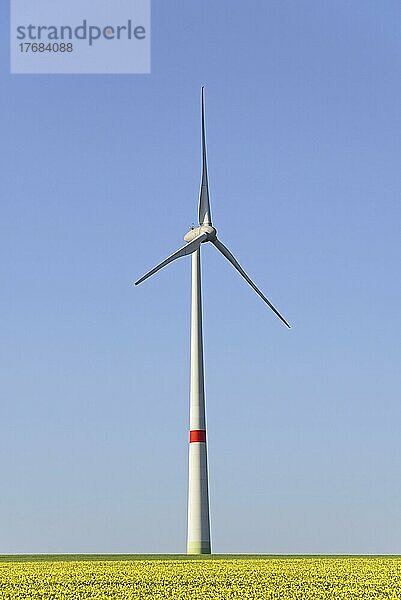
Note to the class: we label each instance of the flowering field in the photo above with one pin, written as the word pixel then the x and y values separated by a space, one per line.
pixel 214 578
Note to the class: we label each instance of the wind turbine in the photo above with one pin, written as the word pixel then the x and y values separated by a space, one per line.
pixel 198 541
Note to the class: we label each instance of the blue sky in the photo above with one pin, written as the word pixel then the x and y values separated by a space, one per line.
pixel 100 180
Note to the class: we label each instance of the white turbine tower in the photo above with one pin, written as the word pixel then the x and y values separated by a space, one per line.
pixel 198 495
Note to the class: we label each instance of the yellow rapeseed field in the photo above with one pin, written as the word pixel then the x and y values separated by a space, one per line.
pixel 287 578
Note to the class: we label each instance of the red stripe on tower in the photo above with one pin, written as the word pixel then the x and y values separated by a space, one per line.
pixel 197 435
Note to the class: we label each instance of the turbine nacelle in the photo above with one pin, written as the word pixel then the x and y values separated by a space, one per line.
pixel 195 232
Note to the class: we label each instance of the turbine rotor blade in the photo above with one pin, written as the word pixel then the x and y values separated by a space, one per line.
pixel 205 217
pixel 225 251
pixel 187 249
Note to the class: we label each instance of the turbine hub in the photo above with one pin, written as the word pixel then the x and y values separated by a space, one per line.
pixel 197 231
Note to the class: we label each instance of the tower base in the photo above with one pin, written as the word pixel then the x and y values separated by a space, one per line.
pixel 199 548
